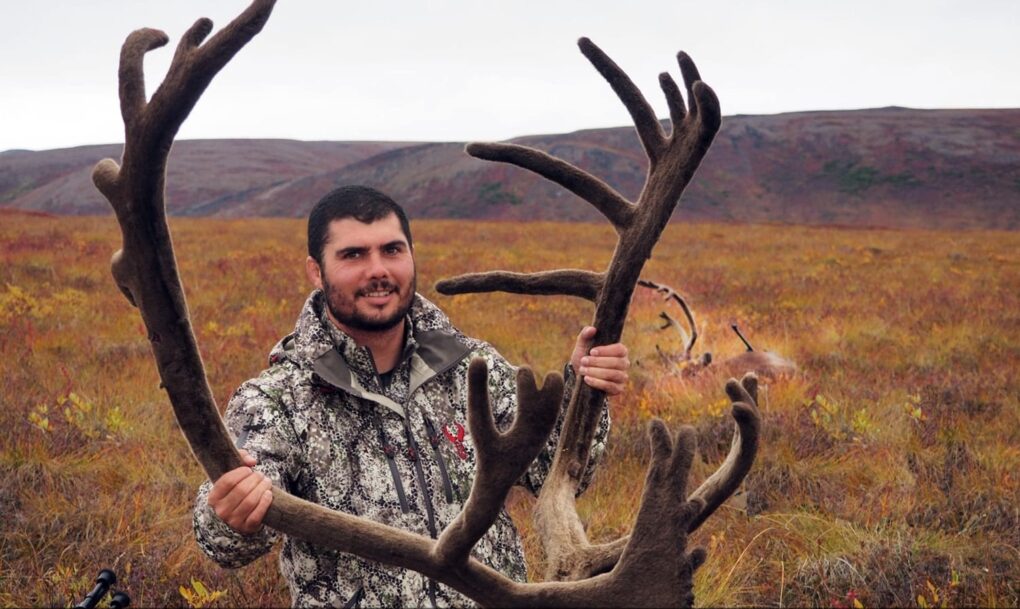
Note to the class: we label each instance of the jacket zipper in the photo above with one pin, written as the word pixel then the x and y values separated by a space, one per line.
pixel 419 473
pixel 434 441
pixel 391 452
pixel 413 455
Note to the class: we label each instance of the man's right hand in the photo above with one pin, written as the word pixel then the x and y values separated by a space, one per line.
pixel 241 496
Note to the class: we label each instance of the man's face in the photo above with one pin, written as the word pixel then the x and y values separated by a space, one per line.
pixel 367 274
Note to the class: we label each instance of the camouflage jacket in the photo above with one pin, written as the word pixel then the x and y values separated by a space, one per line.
pixel 322 426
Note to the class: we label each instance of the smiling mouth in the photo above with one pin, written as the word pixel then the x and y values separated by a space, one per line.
pixel 377 292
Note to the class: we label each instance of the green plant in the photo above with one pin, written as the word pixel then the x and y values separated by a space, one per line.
pixel 839 422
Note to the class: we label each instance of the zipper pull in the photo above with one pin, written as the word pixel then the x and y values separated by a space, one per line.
pixel 412 446
pixel 430 429
pixel 443 473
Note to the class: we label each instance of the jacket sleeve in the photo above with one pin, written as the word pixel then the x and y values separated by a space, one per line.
pixel 256 419
pixel 503 390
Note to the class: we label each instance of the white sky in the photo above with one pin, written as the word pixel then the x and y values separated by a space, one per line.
pixel 458 70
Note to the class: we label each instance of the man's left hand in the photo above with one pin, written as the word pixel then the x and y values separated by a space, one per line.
pixel 604 367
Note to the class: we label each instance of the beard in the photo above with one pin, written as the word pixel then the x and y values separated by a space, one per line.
pixel 344 308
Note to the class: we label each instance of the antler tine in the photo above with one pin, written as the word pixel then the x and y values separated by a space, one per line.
pixel 740 335
pixel 718 487
pixel 648 128
pixel 690 320
pixel 191 39
pixel 221 48
pixel 612 204
pixel 671 322
pixel 674 99
pixel 193 67
pixel 564 282
pixel 690 74
pixel 131 74
pixel 502 458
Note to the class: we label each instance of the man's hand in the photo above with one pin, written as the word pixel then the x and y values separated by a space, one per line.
pixel 604 367
pixel 241 496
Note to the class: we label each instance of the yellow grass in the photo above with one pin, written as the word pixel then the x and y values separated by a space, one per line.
pixel 887 472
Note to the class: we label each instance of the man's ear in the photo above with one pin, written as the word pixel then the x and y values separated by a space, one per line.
pixel 313 272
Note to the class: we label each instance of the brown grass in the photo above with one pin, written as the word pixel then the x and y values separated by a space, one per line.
pixel 887 475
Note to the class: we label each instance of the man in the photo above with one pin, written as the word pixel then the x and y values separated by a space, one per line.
pixel 363 410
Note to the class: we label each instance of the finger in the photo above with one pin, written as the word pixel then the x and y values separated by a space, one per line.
pixel 615 363
pixel 250 500
pixel 226 506
pixel 613 350
pixel 611 375
pixel 611 388
pixel 244 509
pixel 247 458
pixel 254 521
pixel 226 483
pixel 585 338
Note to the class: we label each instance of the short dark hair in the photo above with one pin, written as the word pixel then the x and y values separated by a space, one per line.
pixel 362 203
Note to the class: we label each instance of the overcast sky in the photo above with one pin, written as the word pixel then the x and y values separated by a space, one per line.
pixel 454 70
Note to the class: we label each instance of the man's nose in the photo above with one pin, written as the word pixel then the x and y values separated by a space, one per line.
pixel 376 266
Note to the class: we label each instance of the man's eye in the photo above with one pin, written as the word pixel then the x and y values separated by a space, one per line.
pixel 351 255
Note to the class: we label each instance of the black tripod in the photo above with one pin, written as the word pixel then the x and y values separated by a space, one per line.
pixel 107 578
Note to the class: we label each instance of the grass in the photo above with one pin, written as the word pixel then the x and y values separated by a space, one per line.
pixel 887 475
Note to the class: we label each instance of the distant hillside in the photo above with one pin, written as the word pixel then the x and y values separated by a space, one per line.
pixel 891 167
pixel 60 182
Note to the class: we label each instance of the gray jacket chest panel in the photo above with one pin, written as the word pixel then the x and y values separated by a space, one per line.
pixel 347 441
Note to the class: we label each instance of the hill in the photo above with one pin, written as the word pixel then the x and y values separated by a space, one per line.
pixel 887 167
pixel 59 181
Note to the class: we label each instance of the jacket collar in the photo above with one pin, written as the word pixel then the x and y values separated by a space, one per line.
pixel 432 344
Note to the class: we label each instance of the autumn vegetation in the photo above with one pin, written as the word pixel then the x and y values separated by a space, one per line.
pixel 888 468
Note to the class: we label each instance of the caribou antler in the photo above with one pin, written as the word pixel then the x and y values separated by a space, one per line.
pixel 668 294
pixel 673 160
pixel 145 269
pixel 740 335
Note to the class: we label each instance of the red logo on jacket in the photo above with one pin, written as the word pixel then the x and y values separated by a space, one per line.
pixel 457 439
